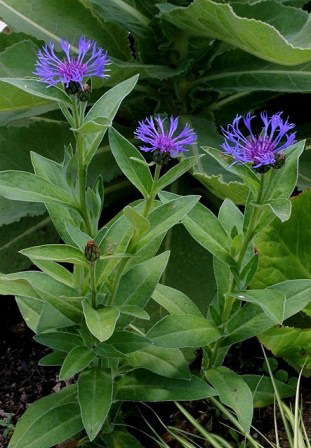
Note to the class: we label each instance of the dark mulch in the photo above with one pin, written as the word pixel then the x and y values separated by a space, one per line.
pixel 22 381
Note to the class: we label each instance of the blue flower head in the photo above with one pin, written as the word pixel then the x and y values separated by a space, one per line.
pixel 152 132
pixel 91 61
pixel 261 150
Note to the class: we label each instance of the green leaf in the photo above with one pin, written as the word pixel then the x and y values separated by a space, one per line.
pixel 120 439
pixel 22 186
pixel 250 320
pixel 243 24
pixel 95 398
pixel 56 271
pixel 280 207
pixel 221 182
pixel 127 342
pixel 284 247
pixel 134 311
pixel 174 301
pixel 79 237
pixel 49 421
pixel 43 282
pixel 138 173
pixel 263 392
pixel 51 319
pixel 52 359
pixel 189 270
pixel 50 22
pixel 141 385
pixel 126 15
pixel 16 287
pixel 109 103
pixel 233 392
pixel 237 71
pixel 70 307
pixel 243 171
pixel 178 170
pixel 137 285
pixel 270 301
pixel 38 88
pixel 281 185
pixel 168 362
pixel 101 115
pixel 101 322
pixel 206 229
pixel 115 240
pixel 292 344
pixel 31 310
pixel 76 360
pixel 166 216
pixel 230 216
pixel 56 252
pixel 62 341
pixel 140 224
pixel 17 59
pixel 183 330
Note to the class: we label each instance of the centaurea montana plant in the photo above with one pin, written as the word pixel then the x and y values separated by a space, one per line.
pixel 93 315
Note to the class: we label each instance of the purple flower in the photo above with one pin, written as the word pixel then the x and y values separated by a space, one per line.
pixel 262 149
pixel 152 132
pixel 91 61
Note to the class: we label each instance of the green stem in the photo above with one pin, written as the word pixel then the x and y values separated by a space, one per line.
pixel 229 301
pixel 93 283
pixel 153 191
pixel 123 263
pixel 78 119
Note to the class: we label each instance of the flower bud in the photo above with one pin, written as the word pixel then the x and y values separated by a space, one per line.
pixel 84 93
pixel 261 169
pixel 161 157
pixel 91 251
pixel 73 87
pixel 279 161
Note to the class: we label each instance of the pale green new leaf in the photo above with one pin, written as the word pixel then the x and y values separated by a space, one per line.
pixel 101 322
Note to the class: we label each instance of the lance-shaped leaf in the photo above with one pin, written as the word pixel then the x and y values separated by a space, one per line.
pixel 76 360
pixel 56 252
pixel 174 301
pixel 127 342
pixel 183 330
pixel 38 88
pixel 178 170
pixel 141 385
pixel 207 230
pixel 272 302
pixel 49 421
pixel 233 392
pixel 168 362
pixel 95 389
pixel 137 285
pixel 250 320
pixel 101 322
pixel 23 186
pixel 138 173
pixel 166 216
pixel 59 340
